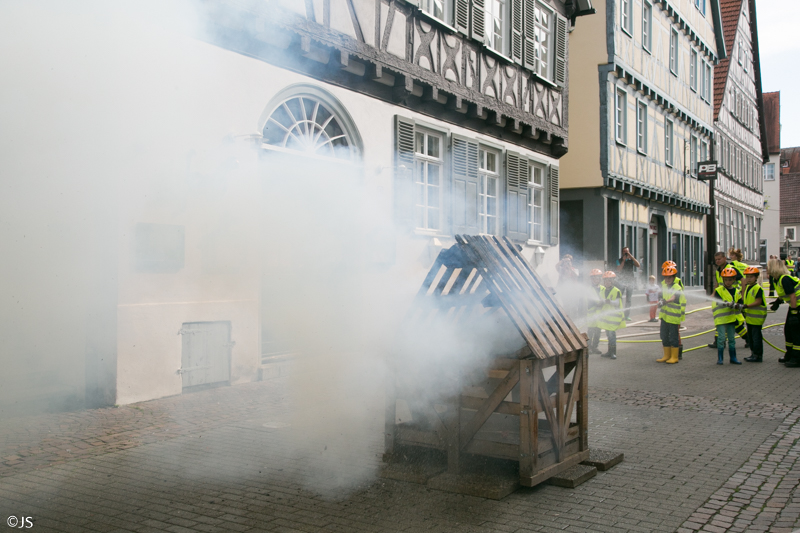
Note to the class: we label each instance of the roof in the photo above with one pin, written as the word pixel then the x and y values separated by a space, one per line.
pixel 790 186
pixel 730 11
pixel 772 117
pixel 477 277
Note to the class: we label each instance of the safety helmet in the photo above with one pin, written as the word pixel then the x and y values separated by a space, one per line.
pixel 609 275
pixel 669 271
pixel 672 264
pixel 596 272
pixel 728 272
pixel 752 270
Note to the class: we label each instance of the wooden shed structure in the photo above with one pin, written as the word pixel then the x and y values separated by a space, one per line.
pixel 524 398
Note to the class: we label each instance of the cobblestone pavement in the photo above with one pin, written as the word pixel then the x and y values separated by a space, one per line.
pixel 707 448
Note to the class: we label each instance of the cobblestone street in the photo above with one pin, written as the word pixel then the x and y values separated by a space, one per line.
pixel 706 448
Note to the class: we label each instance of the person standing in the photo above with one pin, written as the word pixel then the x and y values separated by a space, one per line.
pixel 722 262
pixel 787 287
pixel 755 313
pixel 612 316
pixel 625 266
pixel 672 299
pixel 594 305
pixel 725 311
pixel 652 297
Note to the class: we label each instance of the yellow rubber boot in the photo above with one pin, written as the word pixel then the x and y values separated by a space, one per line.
pixel 673 355
pixel 666 355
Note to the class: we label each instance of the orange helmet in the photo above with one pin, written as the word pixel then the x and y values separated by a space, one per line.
pixel 669 271
pixel 672 264
pixel 728 272
pixel 752 270
pixel 596 272
pixel 609 275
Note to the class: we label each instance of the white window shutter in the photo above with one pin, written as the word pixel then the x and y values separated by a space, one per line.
pixel 465 186
pixel 404 172
pixel 554 212
pixel 529 34
pixel 516 30
pixel 478 22
pixel 561 51
pixel 516 197
pixel 461 18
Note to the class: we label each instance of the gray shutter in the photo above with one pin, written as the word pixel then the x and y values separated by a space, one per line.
pixel 461 18
pixel 478 22
pixel 404 172
pixel 553 188
pixel 516 30
pixel 528 34
pixel 516 197
pixel 561 50
pixel 465 186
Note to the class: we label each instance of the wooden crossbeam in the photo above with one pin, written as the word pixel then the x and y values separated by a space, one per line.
pixel 488 407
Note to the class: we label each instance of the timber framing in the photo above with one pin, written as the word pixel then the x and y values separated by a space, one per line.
pixel 636 188
pixel 441 73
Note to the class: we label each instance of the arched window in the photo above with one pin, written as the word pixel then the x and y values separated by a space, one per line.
pixel 308 121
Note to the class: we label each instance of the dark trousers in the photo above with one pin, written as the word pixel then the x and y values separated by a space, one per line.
pixel 669 334
pixel 755 340
pixel 612 341
pixel 791 334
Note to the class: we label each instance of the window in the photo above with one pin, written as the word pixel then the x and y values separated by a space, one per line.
pixel 741 53
pixel 620 117
pixel 543 32
pixel 307 125
pixel 693 70
pixel 627 16
pixel 701 5
pixel 745 61
pixel 487 201
pixel 428 180
pixel 647 25
pixel 641 127
pixel 673 51
pixel 704 150
pixel 496 25
pixel 790 233
pixel 669 142
pixel 536 203
pixel 769 172
pixel 436 9
pixel 693 156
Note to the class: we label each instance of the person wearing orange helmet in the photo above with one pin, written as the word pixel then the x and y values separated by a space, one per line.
pixel 612 315
pixel 664 286
pixel 672 300
pixel 722 262
pixel 725 309
pixel 755 312
pixel 594 304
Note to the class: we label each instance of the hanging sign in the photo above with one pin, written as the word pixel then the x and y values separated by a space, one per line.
pixel 707 170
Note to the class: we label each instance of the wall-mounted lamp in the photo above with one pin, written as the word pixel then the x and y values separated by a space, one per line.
pixel 579 8
pixel 538 256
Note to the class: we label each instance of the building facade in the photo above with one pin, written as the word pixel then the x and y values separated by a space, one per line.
pixel 642 117
pixel 740 142
pixel 312 145
pixel 771 234
pixel 790 202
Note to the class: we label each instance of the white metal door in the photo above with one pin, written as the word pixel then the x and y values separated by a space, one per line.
pixel 206 353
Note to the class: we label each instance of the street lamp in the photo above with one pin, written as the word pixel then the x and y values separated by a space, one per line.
pixel 579 8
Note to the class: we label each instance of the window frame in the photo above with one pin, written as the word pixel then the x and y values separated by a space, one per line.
pixel 621 116
pixel 550 47
pixel 694 147
pixel 444 178
pixel 673 51
pixel 786 233
pixel 626 15
pixel 641 126
pixel 447 16
pixel 542 188
pixel 505 47
pixel 483 190
pixel 647 22
pixel 771 166
pixel 693 57
pixel 669 142
pixel 707 78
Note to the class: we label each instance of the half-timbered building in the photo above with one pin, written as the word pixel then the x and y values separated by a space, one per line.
pixel 642 115
pixel 741 146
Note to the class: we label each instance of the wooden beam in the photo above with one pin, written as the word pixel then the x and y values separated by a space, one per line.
pixel 488 407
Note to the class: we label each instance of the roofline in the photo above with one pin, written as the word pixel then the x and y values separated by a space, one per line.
pixel 716 13
pixel 762 121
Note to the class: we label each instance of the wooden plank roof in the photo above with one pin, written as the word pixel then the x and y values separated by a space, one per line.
pixel 489 272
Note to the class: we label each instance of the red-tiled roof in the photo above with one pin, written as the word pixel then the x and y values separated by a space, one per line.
pixel 790 187
pixel 730 10
pixel 772 116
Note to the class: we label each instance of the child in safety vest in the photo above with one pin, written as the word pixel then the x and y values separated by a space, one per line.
pixel 755 313
pixel 725 312
pixel 682 301
pixel 672 304
pixel 612 315
pixel 594 304
pixel 652 298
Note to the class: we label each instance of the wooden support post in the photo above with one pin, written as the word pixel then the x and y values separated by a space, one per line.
pixel 391 412
pixel 454 435
pixel 527 420
pixel 583 403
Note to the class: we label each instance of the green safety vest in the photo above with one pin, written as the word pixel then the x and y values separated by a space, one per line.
pixel 754 315
pixel 739 266
pixel 612 317
pixel 736 283
pixel 790 264
pixel 779 288
pixel 724 315
pixel 594 305
pixel 673 312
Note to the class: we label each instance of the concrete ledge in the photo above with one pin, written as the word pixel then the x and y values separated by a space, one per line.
pixel 574 476
pixel 603 459
pixel 492 486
